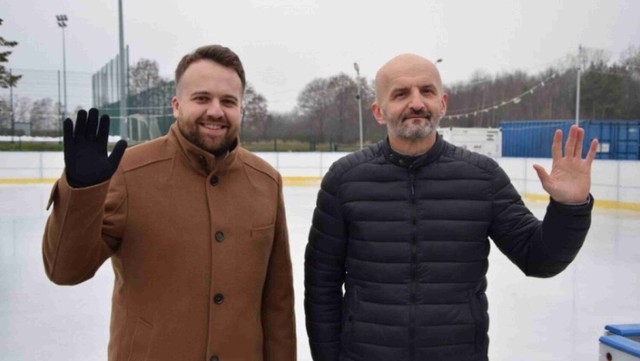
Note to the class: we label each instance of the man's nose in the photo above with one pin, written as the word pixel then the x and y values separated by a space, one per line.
pixel 214 110
pixel 416 102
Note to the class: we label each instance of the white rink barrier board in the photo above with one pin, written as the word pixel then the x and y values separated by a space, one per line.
pixel 614 183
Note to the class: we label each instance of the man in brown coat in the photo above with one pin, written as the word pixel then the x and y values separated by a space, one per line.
pixel 193 223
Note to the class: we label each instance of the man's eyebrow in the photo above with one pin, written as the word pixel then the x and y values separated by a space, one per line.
pixel 231 96
pixel 404 88
pixel 200 92
pixel 398 89
pixel 208 93
pixel 429 87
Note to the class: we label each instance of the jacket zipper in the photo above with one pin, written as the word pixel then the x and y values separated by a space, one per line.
pixel 414 261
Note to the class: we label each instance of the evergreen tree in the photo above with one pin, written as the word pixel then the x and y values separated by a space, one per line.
pixel 6 78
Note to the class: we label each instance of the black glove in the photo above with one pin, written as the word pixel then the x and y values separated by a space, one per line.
pixel 85 153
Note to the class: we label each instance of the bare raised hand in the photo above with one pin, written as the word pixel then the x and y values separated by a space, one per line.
pixel 570 177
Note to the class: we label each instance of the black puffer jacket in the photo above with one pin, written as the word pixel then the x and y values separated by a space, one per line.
pixel 408 237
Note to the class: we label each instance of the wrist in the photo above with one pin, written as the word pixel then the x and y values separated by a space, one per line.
pixel 586 201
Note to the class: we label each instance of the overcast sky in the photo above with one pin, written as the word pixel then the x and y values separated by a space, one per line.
pixel 284 44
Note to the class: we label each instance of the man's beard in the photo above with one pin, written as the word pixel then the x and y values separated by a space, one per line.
pixel 218 149
pixel 409 132
pixel 223 144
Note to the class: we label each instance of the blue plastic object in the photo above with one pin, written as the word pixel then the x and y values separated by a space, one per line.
pixel 624 330
pixel 622 343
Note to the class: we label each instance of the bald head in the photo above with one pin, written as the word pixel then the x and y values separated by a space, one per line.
pixel 405 65
pixel 410 102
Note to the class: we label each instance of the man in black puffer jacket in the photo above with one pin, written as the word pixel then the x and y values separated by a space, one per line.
pixel 405 224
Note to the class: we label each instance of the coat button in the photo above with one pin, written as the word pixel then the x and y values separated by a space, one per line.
pixel 214 180
pixel 218 298
pixel 219 236
pixel 215 358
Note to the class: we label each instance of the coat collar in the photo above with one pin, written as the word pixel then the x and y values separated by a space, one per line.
pixel 408 161
pixel 199 159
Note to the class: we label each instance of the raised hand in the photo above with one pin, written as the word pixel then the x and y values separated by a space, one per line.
pixel 570 177
pixel 85 152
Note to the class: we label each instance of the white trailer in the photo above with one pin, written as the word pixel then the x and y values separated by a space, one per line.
pixel 487 141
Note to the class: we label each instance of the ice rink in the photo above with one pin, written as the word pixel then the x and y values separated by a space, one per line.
pixel 531 319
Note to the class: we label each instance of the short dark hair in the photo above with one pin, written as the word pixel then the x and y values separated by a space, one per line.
pixel 218 54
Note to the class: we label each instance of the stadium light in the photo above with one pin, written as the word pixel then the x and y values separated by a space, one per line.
pixel 62 23
pixel 124 124
pixel 357 68
pixel 578 85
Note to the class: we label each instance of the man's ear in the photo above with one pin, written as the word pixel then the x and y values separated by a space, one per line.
pixel 377 113
pixel 175 104
pixel 443 105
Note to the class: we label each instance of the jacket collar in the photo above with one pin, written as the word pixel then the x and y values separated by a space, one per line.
pixel 408 161
pixel 199 159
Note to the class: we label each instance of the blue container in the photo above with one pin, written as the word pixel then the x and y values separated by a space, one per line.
pixel 530 138
pixel 619 139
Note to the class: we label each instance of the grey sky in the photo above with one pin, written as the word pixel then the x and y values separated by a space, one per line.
pixel 284 44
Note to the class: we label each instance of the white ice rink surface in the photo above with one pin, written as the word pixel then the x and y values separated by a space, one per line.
pixel 531 319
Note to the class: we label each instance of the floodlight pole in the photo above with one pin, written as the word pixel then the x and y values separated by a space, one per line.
pixel 124 126
pixel 578 85
pixel 357 68
pixel 13 119
pixel 62 23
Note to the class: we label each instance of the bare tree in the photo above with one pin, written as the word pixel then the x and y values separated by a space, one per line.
pixel 22 108
pixel 5 113
pixel 256 117
pixel 143 75
pixel 343 109
pixel 313 104
pixel 43 115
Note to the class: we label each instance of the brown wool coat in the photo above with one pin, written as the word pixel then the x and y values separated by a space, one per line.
pixel 202 268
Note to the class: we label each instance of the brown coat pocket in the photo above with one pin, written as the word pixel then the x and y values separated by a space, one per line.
pixel 141 341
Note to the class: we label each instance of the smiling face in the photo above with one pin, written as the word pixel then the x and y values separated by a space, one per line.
pixel 208 105
pixel 410 102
